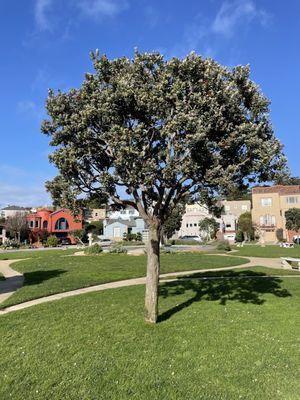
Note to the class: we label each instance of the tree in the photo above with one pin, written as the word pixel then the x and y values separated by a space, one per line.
pixel 288 180
pixel 245 225
pixel 210 228
pixel 292 219
pixel 173 223
pixel 17 225
pixel 159 130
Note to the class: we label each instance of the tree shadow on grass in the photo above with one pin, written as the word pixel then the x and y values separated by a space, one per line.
pixel 37 277
pixel 243 286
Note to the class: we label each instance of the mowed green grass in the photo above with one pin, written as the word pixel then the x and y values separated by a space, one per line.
pixel 269 251
pixel 54 274
pixel 216 340
pixel 15 255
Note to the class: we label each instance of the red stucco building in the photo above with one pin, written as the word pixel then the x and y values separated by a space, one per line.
pixel 60 223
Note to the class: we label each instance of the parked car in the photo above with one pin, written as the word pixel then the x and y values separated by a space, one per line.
pixel 296 239
pixel 187 237
pixel 104 242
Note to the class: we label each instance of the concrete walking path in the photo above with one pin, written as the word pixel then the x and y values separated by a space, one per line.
pixel 15 281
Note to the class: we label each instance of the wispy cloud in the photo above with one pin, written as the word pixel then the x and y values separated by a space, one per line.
pixel 237 13
pixel 23 195
pixel 41 10
pixel 101 8
pixel 30 108
pixel 204 34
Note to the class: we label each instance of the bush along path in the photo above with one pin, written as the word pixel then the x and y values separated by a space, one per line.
pixel 14 280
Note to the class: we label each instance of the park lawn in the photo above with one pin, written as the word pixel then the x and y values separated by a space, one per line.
pixel 215 340
pixel 49 275
pixel 21 254
pixel 269 251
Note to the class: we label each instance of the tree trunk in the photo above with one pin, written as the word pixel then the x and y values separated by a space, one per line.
pixel 152 280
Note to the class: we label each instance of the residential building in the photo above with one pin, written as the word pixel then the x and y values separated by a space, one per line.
pixel 194 213
pixel 124 213
pixel 115 229
pixel 232 209
pixel 269 207
pixel 11 211
pixel 95 214
pixel 60 223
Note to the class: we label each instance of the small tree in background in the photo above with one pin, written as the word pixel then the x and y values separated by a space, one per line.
pixel 173 223
pixel 245 225
pixel 292 218
pixel 17 225
pixel 279 234
pixel 159 130
pixel 210 228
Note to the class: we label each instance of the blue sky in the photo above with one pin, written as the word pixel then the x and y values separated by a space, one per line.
pixel 46 44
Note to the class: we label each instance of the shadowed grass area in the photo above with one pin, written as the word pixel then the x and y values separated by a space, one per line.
pixel 268 251
pixel 234 342
pixel 2 277
pixel 48 275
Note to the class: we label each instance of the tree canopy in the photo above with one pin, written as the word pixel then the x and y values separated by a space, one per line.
pixel 292 217
pixel 159 130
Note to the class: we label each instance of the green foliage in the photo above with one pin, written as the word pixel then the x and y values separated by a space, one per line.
pixel 117 249
pixel 279 234
pixel 95 227
pixel 173 223
pixel 94 249
pixel 245 225
pixel 160 129
pixel 52 241
pixel 292 217
pixel 139 237
pixel 239 236
pixel 43 235
pixel 11 244
pixel 210 228
pixel 223 245
pixel 129 237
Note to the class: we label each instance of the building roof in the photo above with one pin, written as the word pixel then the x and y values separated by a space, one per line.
pixel 130 223
pixel 280 189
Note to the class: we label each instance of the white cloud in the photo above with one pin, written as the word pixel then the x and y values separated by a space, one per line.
pixel 100 8
pixel 30 108
pixel 234 13
pixel 23 195
pixel 41 14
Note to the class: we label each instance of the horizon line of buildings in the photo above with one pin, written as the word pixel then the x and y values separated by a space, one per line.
pixel 267 206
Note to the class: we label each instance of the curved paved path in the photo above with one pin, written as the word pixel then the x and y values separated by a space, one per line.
pixel 15 281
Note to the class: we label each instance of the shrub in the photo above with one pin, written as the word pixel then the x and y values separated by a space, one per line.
pixel 279 234
pixel 239 237
pixel 52 241
pixel 223 245
pixel 11 244
pixel 117 249
pixel 94 249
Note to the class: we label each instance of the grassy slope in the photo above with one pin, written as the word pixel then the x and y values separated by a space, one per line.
pixel 216 341
pixel 48 275
pixel 268 251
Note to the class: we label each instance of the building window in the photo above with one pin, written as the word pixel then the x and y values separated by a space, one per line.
pixel 267 220
pixel 37 223
pixel 122 212
pixel 191 224
pixel 292 200
pixel 61 224
pixel 187 225
pixel 45 224
pixel 195 224
pixel 266 202
pixel 96 214
pixel 31 224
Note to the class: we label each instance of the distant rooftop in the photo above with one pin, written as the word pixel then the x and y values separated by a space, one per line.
pixel 15 208
pixel 281 189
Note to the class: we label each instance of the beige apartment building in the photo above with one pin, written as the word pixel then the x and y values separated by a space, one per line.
pixel 269 205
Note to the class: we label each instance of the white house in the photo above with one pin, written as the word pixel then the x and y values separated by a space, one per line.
pixel 126 214
pixel 11 211
pixel 194 213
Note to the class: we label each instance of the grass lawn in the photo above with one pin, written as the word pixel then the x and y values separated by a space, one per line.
pixel 54 274
pixel 269 251
pixel 216 340
pixel 35 254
